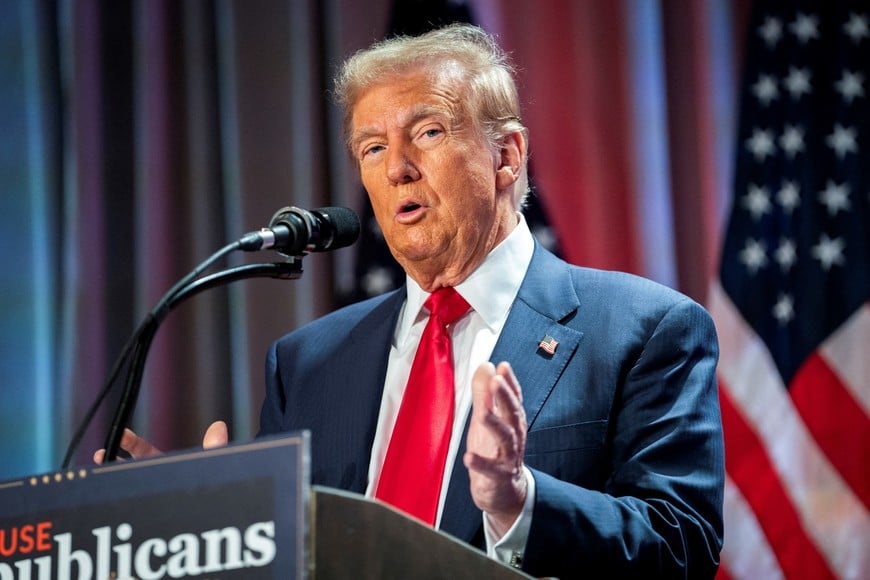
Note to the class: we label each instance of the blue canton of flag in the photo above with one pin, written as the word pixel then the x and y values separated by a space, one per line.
pixel 796 260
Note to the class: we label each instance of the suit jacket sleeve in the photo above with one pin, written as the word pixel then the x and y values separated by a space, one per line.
pixel 638 488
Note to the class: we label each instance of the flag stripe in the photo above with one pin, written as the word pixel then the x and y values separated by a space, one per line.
pixel 795 270
pixel 764 492
pixel 722 573
pixel 835 420
pixel 840 526
pixel 746 548
pixel 840 351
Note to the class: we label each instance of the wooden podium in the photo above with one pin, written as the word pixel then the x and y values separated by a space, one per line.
pixel 243 511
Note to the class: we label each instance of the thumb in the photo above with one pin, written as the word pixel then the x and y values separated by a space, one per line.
pixel 216 435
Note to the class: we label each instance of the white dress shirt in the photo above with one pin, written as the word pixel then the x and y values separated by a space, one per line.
pixel 490 291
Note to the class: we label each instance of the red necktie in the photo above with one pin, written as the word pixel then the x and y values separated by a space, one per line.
pixel 417 453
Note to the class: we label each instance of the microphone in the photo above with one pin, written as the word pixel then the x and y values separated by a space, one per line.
pixel 294 231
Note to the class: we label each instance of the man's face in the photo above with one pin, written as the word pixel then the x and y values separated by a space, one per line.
pixel 433 179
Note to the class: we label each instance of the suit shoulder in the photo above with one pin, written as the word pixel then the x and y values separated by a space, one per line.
pixel 629 290
pixel 556 288
pixel 341 321
pixel 592 279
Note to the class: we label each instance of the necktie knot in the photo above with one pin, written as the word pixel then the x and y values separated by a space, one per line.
pixel 446 305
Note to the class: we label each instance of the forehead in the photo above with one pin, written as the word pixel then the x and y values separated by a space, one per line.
pixel 400 98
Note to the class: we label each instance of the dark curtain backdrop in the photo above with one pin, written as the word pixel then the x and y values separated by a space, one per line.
pixel 140 137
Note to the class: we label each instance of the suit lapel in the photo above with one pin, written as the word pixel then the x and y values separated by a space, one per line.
pixel 347 450
pixel 546 298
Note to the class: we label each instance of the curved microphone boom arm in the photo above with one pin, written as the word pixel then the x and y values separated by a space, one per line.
pixel 283 270
pixel 292 232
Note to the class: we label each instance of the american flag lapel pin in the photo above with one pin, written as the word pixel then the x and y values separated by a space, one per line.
pixel 548 345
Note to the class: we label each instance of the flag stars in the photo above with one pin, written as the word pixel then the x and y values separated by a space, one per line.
pixel 843 140
pixel 788 196
pixel 761 144
pixel 857 27
pixel 545 236
pixel 792 141
pixel 377 281
pixel 835 197
pixel 757 201
pixel 765 89
pixel 805 27
pixel 850 86
pixel 785 254
pixel 783 310
pixel 771 31
pixel 754 255
pixel 829 252
pixel 797 83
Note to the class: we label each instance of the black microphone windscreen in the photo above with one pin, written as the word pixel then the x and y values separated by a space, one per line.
pixel 345 225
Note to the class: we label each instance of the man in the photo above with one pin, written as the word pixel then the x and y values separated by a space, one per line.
pixel 595 444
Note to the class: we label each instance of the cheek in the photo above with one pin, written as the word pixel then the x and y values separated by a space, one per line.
pixel 379 204
pixel 477 197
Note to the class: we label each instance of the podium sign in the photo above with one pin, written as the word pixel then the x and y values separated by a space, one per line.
pixel 235 512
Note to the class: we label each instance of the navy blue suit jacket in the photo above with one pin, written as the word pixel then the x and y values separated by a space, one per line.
pixel 624 440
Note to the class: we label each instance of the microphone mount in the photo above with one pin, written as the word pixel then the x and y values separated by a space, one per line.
pixel 340 227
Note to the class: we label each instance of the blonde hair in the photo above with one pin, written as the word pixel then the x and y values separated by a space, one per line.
pixel 484 68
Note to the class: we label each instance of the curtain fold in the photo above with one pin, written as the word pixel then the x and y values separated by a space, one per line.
pixel 172 128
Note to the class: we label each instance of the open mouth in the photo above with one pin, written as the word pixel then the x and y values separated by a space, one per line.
pixel 409 207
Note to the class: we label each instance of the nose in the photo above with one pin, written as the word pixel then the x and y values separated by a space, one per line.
pixel 400 167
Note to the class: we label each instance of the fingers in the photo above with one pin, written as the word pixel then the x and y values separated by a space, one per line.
pixel 216 435
pixel 507 404
pixel 508 400
pixel 489 380
pixel 505 371
pixel 496 444
pixel 480 391
pixel 499 420
pixel 137 447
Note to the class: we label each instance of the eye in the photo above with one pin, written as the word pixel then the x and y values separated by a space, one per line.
pixel 371 150
pixel 430 134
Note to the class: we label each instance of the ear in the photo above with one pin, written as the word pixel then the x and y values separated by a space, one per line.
pixel 512 156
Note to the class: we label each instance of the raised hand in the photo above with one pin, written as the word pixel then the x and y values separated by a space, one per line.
pixel 496 444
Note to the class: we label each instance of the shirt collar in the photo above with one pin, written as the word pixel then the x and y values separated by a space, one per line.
pixel 490 290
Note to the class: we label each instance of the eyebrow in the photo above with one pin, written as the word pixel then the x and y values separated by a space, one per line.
pixel 361 135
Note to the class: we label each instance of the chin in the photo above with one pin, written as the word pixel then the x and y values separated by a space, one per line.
pixel 416 247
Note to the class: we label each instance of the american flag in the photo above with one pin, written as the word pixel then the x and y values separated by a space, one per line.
pixel 548 345
pixel 791 305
